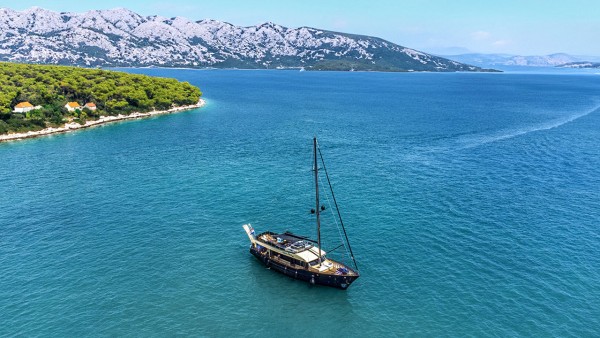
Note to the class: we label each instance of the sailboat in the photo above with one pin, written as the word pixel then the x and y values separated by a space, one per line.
pixel 299 256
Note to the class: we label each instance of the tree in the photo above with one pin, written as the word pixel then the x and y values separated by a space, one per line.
pixel 53 86
pixel 4 127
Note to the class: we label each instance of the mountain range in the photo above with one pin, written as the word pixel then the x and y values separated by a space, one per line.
pixel 120 37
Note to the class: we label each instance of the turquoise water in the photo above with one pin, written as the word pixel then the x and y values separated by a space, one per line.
pixel 471 200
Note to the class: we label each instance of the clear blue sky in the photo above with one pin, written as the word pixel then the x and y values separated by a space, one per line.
pixel 524 27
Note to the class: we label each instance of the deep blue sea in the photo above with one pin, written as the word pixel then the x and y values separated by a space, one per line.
pixel 472 203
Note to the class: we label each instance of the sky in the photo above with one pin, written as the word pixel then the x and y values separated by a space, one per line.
pixel 523 27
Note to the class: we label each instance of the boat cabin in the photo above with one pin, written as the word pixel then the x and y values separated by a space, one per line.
pixel 295 249
pixel 287 241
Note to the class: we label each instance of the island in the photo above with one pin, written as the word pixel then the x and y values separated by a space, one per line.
pixel 38 100
pixel 581 64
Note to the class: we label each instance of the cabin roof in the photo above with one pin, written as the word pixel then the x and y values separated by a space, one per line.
pixel 24 104
pixel 90 104
pixel 73 104
pixel 311 254
pixel 287 241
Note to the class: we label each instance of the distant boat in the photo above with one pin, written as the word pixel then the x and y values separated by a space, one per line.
pixel 302 69
pixel 301 257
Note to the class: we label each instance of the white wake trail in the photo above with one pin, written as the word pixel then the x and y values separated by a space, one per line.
pixel 475 141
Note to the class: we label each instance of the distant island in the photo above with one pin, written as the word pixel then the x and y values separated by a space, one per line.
pixel 37 100
pixel 551 60
pixel 120 37
pixel 581 64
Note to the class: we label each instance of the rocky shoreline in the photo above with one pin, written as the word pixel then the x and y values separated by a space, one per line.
pixel 102 120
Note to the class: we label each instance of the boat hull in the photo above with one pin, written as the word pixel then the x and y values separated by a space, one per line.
pixel 336 281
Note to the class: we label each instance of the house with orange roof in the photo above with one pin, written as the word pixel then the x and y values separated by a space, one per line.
pixel 23 107
pixel 72 106
pixel 90 105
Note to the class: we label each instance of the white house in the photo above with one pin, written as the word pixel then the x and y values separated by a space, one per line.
pixel 90 105
pixel 23 107
pixel 72 106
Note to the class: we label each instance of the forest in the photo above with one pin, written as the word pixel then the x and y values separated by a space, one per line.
pixel 51 87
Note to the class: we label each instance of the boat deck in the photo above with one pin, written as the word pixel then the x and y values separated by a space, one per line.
pixel 298 244
pixel 329 267
pixel 287 241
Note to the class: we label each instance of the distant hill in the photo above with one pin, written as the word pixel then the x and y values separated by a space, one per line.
pixel 491 60
pixel 582 64
pixel 120 37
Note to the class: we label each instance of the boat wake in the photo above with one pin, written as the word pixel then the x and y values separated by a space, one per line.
pixel 478 140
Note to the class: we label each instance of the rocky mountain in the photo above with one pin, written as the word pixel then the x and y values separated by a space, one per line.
pixel 491 60
pixel 120 37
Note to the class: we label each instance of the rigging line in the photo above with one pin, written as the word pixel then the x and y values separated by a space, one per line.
pixel 336 206
pixel 337 247
pixel 336 223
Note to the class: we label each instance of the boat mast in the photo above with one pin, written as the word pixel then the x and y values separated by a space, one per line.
pixel 317 209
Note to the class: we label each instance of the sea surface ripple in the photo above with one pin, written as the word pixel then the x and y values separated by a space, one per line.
pixel 472 202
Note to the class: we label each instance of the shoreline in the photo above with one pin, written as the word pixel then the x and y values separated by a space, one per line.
pixel 71 126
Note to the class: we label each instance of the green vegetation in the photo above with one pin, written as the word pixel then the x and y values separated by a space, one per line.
pixel 53 86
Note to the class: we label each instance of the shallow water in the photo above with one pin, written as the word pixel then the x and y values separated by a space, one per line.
pixel 471 201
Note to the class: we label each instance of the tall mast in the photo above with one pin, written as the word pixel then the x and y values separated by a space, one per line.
pixel 318 210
